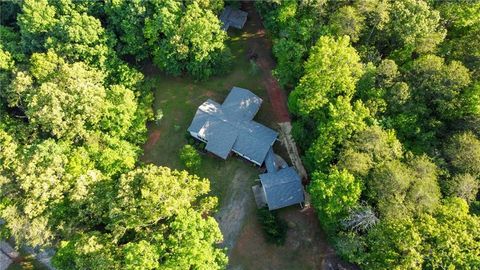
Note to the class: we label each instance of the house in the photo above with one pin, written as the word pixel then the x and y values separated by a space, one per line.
pixel 233 17
pixel 229 127
pixel 280 189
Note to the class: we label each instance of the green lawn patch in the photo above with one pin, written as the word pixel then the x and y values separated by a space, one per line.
pixel 179 97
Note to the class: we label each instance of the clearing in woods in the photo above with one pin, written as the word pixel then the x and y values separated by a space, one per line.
pixel 231 180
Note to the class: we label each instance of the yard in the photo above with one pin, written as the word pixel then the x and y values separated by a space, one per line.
pixel 178 98
pixel 231 180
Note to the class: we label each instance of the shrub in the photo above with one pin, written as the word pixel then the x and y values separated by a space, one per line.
pixel 274 228
pixel 254 69
pixel 475 208
pixel 190 157
pixel 158 116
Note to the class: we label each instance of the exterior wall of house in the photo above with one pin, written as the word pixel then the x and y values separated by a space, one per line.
pixel 195 135
pixel 264 193
pixel 247 158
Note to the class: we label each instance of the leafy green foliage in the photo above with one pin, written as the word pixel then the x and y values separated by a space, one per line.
pixel 127 19
pixel 393 245
pixel 414 23
pixel 331 71
pixel 139 202
pixel 141 255
pixel 65 102
pixel 86 251
pixel 449 237
pixel 412 72
pixel 274 228
pixel 190 157
pixel 155 220
pixel 334 194
pixel 463 153
pixel 72 119
pixel 463 186
pixel 295 27
pixel 324 96
pixel 194 41
pixel 347 21
pixel 182 37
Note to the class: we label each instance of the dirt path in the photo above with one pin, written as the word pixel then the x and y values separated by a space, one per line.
pixel 306 246
pixel 232 214
pixel 261 46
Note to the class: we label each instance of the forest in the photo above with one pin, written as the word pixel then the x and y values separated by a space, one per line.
pixel 386 100
pixel 72 122
pixel 385 97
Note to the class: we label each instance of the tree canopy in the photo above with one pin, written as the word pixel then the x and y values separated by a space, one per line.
pixel 73 113
pixel 385 101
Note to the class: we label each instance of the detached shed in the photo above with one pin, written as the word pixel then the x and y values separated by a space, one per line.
pixel 233 17
pixel 282 188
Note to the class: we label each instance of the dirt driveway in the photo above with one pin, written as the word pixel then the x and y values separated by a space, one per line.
pixel 306 245
pixel 236 207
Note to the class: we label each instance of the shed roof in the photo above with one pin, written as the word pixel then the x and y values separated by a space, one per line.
pixel 233 17
pixel 282 188
pixel 230 126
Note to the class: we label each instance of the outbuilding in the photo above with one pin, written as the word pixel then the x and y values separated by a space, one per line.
pixel 233 17
pixel 281 188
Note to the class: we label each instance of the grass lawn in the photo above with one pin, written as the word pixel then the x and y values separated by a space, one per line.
pixel 231 180
pixel 179 98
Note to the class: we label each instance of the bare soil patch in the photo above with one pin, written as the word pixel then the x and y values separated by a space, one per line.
pixel 305 247
pixel 260 46
pixel 153 137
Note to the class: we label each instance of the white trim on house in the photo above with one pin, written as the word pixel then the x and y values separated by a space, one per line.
pixel 247 158
pixel 196 136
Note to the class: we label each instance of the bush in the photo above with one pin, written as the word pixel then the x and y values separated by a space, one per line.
pixel 254 69
pixel 274 228
pixel 475 208
pixel 158 116
pixel 190 158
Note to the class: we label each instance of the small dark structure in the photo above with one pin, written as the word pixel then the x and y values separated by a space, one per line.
pixel 233 17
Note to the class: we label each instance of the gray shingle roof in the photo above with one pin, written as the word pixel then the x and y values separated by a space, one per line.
pixel 229 126
pixel 233 17
pixel 241 104
pixel 220 138
pixel 270 161
pixel 282 188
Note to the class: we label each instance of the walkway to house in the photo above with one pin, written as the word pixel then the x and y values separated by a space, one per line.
pixel 262 47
